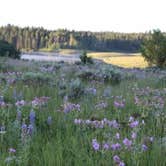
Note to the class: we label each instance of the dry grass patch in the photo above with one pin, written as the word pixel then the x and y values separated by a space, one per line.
pixel 127 60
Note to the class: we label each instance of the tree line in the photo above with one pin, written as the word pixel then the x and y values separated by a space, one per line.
pixel 31 38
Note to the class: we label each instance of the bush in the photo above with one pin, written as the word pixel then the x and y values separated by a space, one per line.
pixel 154 49
pixel 76 88
pixel 8 50
pixel 85 59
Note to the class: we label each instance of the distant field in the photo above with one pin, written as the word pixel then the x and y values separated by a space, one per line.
pixel 127 60
pixel 61 51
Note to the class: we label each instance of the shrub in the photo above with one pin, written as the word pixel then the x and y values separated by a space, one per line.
pixel 76 88
pixel 154 49
pixel 110 74
pixel 85 59
pixel 8 50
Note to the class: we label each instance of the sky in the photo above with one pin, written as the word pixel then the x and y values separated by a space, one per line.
pixel 86 15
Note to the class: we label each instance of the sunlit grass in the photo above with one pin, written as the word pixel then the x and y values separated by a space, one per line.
pixel 127 60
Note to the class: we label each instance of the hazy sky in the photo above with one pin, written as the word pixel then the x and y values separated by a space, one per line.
pixel 93 15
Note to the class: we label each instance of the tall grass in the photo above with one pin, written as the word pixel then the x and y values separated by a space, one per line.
pixel 63 143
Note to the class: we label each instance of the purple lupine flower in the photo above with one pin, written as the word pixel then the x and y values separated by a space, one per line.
pixel 119 104
pixel 68 107
pixel 95 145
pixel 49 120
pixel 134 135
pixel 127 142
pixel 121 164
pixel 32 117
pixel 30 130
pixel 116 158
pixel 116 146
pixel 20 103
pixel 144 147
pixel 24 127
pixel 134 124
pixel 106 146
pixel 117 136
pixel 77 121
pixel 12 150
pixel 115 124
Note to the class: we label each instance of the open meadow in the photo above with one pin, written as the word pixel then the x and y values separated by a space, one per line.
pixel 126 60
pixel 60 114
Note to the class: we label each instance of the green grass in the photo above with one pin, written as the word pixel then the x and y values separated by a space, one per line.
pixel 66 144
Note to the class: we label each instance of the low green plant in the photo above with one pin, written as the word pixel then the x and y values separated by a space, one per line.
pixel 85 59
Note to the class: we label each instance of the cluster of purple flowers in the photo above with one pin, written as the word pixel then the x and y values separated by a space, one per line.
pixel 11 77
pixel 95 144
pixel 119 104
pixel 132 122
pixel 26 131
pixel 149 98
pixel 12 150
pixel 68 107
pixel 20 103
pixel 38 101
pixel 118 161
pixel 97 123
pixel 127 143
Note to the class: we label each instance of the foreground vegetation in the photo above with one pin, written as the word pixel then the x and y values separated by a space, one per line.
pixel 95 114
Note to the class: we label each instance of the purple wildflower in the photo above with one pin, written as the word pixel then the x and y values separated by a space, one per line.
pixel 24 127
pixel 121 164
pixel 119 104
pixel 116 159
pixel 32 117
pixel 77 121
pixel 30 130
pixel 144 147
pixel 134 124
pixel 134 135
pixel 20 103
pixel 12 150
pixel 106 146
pixel 127 142
pixel 116 146
pixel 95 145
